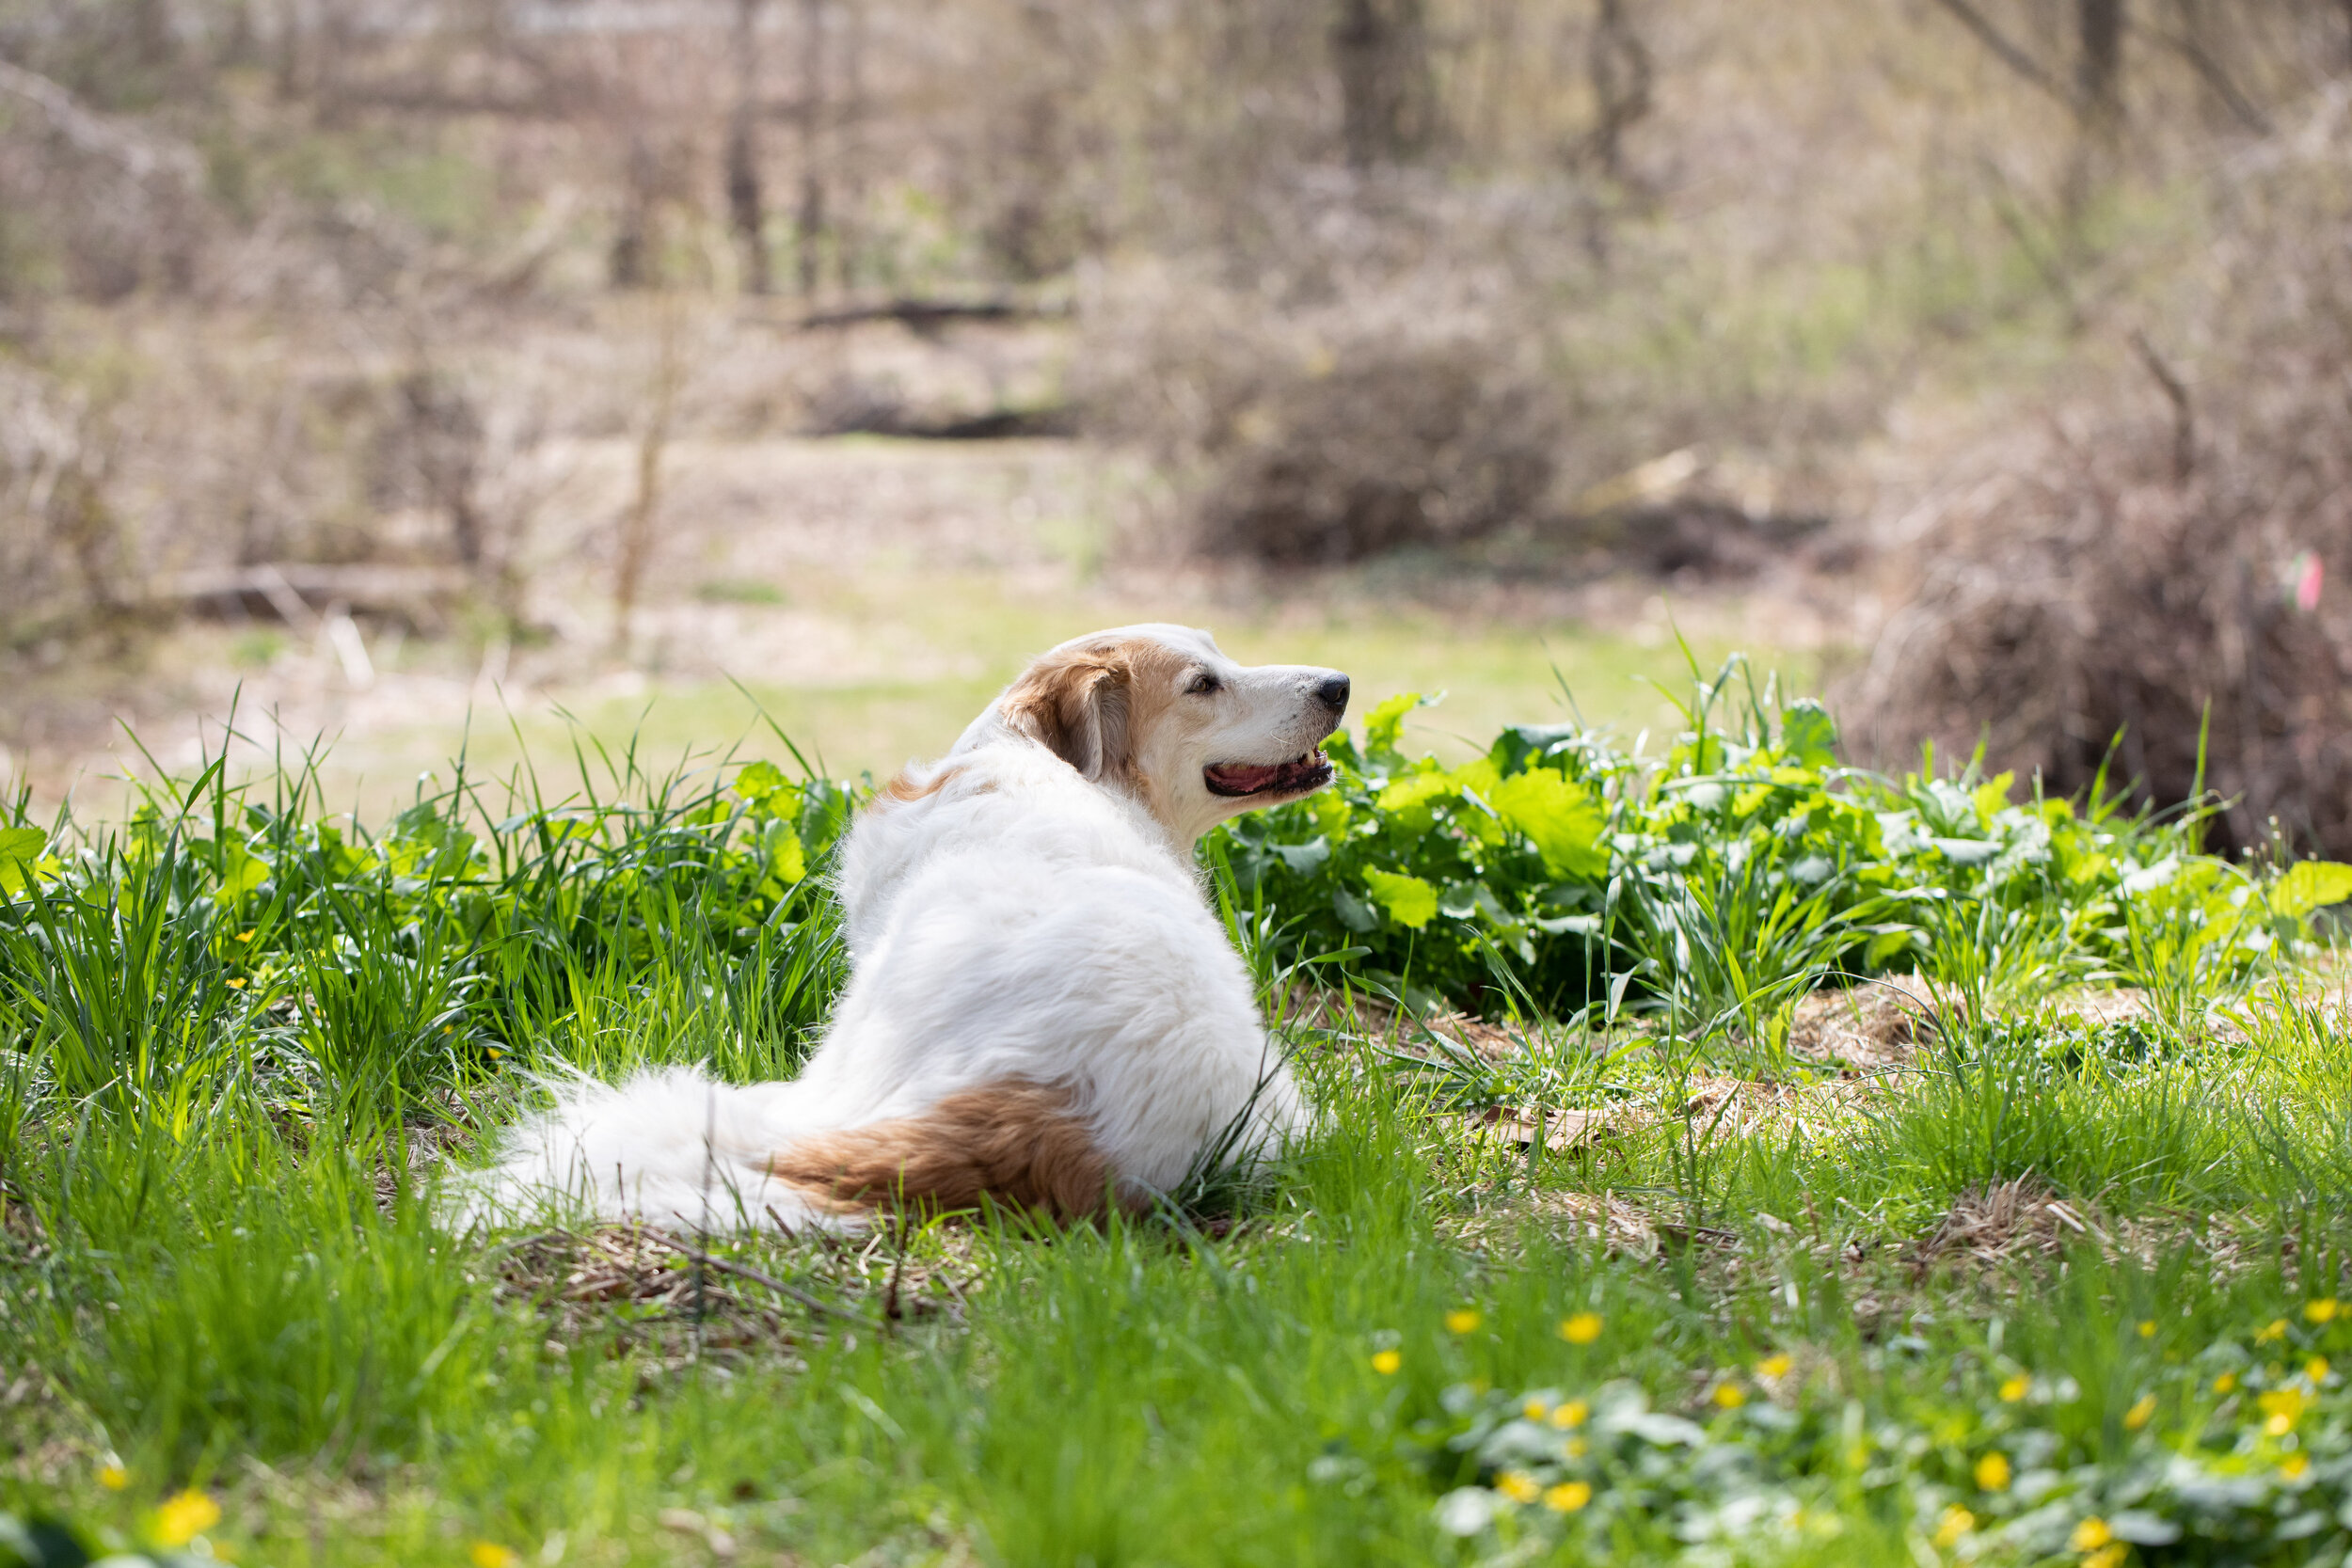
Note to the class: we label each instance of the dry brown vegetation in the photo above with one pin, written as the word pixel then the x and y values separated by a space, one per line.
pixel 321 315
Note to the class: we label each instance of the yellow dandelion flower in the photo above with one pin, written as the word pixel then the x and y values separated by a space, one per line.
pixel 1567 1496
pixel 1583 1329
pixel 2137 1416
pixel 1729 1395
pixel 1570 1415
pixel 1773 1365
pixel 2282 1407
pixel 114 1478
pixel 2109 1556
pixel 2091 1534
pixel 244 935
pixel 184 1517
pixel 2015 1389
pixel 1954 1523
pixel 236 984
pixel 2316 1369
pixel 2147 1328
pixel 1519 1486
pixel 2294 1465
pixel 1534 1409
pixel 1385 1362
pixel 1463 1320
pixel 2275 1329
pixel 2322 1310
pixel 1993 1472
pixel 2226 1382
pixel 489 1554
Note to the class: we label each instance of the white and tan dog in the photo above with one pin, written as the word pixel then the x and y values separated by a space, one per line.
pixel 1043 1010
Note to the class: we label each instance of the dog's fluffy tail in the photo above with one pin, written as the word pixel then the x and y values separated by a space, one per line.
pixel 669 1147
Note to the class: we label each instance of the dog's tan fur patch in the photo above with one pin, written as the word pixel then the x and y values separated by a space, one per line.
pixel 902 788
pixel 1094 706
pixel 1018 1143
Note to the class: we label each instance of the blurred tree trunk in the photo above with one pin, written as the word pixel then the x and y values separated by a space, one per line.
pixel 1618 68
pixel 746 207
pixel 634 260
pixel 1388 94
pixel 2099 67
pixel 850 153
pixel 808 222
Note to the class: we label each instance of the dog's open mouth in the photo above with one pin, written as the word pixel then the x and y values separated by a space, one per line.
pixel 1307 770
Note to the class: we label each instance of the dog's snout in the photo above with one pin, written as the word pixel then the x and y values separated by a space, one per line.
pixel 1332 693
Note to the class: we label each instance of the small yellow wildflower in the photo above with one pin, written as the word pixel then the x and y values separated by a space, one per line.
pixel 1774 1366
pixel 1993 1472
pixel 2294 1465
pixel 1534 1409
pixel 2137 1416
pixel 244 935
pixel 2321 1311
pixel 1955 1523
pixel 1386 1361
pixel 489 1554
pixel 2316 1369
pixel 235 984
pixel 1583 1329
pixel 1463 1320
pixel 2147 1328
pixel 2226 1382
pixel 114 1478
pixel 2015 1389
pixel 2109 1556
pixel 2275 1329
pixel 2285 1408
pixel 2091 1534
pixel 1570 1415
pixel 1567 1496
pixel 1519 1486
pixel 1729 1395
pixel 185 1516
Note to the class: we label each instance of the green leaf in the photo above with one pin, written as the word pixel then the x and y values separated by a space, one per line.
pixel 1808 736
pixel 1411 902
pixel 758 780
pixel 788 862
pixel 1383 723
pixel 2311 885
pixel 22 843
pixel 1563 820
pixel 241 872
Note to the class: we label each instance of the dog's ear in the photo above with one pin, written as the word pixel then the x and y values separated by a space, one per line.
pixel 1076 706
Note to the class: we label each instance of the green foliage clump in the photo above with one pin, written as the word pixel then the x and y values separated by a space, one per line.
pixel 1743 863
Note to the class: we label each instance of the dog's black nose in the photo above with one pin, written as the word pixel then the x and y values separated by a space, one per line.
pixel 1332 693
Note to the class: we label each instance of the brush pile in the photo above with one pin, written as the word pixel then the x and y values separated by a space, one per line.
pixel 2166 569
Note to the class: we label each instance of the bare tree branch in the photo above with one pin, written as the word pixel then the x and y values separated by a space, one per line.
pixel 2184 43
pixel 140 154
pixel 2008 52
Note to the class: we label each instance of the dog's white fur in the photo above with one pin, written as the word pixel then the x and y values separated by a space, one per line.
pixel 1024 911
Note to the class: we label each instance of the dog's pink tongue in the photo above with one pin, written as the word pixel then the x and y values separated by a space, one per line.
pixel 1243 779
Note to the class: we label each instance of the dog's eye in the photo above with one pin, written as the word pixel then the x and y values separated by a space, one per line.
pixel 1203 685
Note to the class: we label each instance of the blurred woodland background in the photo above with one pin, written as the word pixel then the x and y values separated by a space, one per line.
pixel 1993 355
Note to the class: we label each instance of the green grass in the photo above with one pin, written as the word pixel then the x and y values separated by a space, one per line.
pixel 239 1039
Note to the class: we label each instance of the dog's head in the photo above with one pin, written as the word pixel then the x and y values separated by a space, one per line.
pixel 1158 710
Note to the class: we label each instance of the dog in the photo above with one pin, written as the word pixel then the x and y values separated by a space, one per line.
pixel 1044 1011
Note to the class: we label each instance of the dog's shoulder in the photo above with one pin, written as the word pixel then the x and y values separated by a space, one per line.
pixel 1010 801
